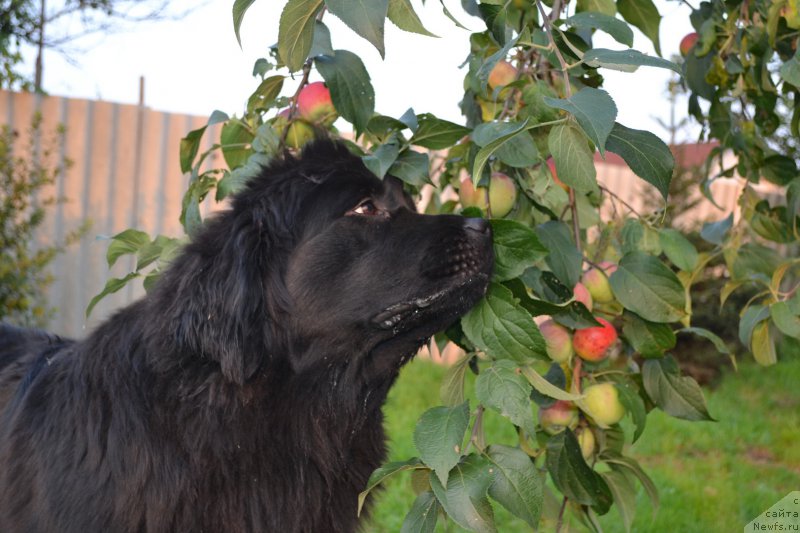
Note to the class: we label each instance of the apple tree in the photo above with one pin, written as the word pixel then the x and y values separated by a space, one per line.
pixel 571 343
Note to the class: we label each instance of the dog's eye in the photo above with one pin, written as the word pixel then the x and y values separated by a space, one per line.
pixel 365 208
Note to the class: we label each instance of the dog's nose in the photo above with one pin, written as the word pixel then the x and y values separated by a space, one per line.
pixel 481 225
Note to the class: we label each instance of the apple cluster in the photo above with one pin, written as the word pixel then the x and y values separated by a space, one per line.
pixel 314 108
pixel 599 405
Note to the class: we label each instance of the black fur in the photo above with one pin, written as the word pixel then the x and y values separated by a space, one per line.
pixel 244 392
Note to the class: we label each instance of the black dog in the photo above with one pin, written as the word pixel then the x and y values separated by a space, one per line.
pixel 244 392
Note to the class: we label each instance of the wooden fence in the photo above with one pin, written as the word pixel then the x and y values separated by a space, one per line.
pixel 125 173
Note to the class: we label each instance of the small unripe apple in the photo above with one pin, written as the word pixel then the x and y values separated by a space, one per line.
pixel 582 295
pixel 592 344
pixel 687 43
pixel 597 282
pixel 300 132
pixel 558 417
pixel 502 74
pixel 587 442
pixel 501 198
pixel 314 104
pixel 558 341
pixel 601 403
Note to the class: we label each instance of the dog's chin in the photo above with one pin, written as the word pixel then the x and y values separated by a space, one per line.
pixel 412 322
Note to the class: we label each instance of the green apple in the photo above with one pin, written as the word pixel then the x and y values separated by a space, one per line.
pixel 558 341
pixel 587 442
pixel 558 417
pixel 596 281
pixel 501 197
pixel 601 403
pixel 592 344
pixel 314 104
pixel 299 133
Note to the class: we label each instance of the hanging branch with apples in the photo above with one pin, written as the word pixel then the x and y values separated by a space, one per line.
pixel 571 344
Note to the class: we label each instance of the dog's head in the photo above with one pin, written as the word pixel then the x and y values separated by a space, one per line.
pixel 320 261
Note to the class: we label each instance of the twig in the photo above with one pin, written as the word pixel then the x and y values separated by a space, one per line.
pixel 293 105
pixel 576 224
pixel 560 521
pixel 623 202
pixel 549 27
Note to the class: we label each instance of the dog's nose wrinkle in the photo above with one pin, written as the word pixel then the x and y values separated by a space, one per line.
pixel 481 225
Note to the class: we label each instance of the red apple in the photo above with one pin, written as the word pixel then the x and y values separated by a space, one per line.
pixel 502 74
pixel 502 195
pixel 314 104
pixel 582 295
pixel 558 341
pixel 596 281
pixel 558 417
pixel 592 344
pixel 687 43
pixel 601 403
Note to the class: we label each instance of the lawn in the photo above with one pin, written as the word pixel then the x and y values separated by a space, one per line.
pixel 712 476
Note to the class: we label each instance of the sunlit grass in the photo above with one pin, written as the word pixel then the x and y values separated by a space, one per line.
pixel 712 477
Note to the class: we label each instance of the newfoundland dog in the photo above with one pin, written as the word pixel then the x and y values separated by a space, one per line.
pixel 244 392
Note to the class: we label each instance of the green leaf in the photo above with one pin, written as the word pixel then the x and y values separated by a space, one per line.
pixel 632 401
pixel 519 151
pixel 790 71
pixel 676 395
pixel 502 387
pixel 516 484
pixel 266 93
pixel 628 465
pixel 465 498
pixel 483 155
pixel 129 241
pixel 716 232
pixel 616 28
pixel 648 338
pixel 365 17
pixel 626 60
pixel 321 44
pixel 384 472
pixel 296 32
pixel 543 386
pixel 678 249
pixel 451 391
pixel 573 158
pixel 382 158
pixel 438 436
pixel 564 258
pixel 624 493
pixel 351 90
pixel 423 514
pixel 160 248
pixel 437 134
pixel 189 147
pixel 502 328
pixel 646 155
pixel 240 7
pixel 750 317
pixel 646 286
pixel 719 344
pixel 516 247
pixel 235 138
pixel 786 320
pixel 762 345
pixel 604 7
pixel 412 168
pixel 112 285
pixel 644 15
pixel 402 15
pixel 572 476
pixel 595 111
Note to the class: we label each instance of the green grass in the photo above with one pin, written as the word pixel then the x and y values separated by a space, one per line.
pixel 711 476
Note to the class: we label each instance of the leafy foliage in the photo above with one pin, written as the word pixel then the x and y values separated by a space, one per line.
pixel 24 275
pixel 536 112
